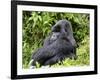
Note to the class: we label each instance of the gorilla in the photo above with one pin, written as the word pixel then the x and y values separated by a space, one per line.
pixel 59 45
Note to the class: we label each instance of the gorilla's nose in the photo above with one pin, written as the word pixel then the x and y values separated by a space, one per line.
pixel 63 31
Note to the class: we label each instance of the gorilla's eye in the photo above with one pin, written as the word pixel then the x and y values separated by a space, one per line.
pixel 57 29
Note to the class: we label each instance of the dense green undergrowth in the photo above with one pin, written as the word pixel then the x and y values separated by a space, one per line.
pixel 37 26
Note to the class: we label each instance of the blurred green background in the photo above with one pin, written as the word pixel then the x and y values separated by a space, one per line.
pixel 37 26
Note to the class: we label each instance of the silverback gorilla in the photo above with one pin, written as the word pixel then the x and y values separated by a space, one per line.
pixel 59 45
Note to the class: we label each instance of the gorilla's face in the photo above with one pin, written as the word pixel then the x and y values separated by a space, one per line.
pixel 63 27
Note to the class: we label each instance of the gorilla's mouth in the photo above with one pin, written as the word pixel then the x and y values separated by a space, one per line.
pixel 65 38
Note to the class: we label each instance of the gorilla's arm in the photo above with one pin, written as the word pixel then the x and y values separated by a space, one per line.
pixel 54 59
pixel 42 55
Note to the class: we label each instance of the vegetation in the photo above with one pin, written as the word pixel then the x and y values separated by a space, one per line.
pixel 37 26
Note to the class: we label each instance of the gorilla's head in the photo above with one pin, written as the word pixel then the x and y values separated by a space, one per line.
pixel 64 27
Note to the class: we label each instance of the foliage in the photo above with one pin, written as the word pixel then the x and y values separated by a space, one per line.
pixel 37 26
